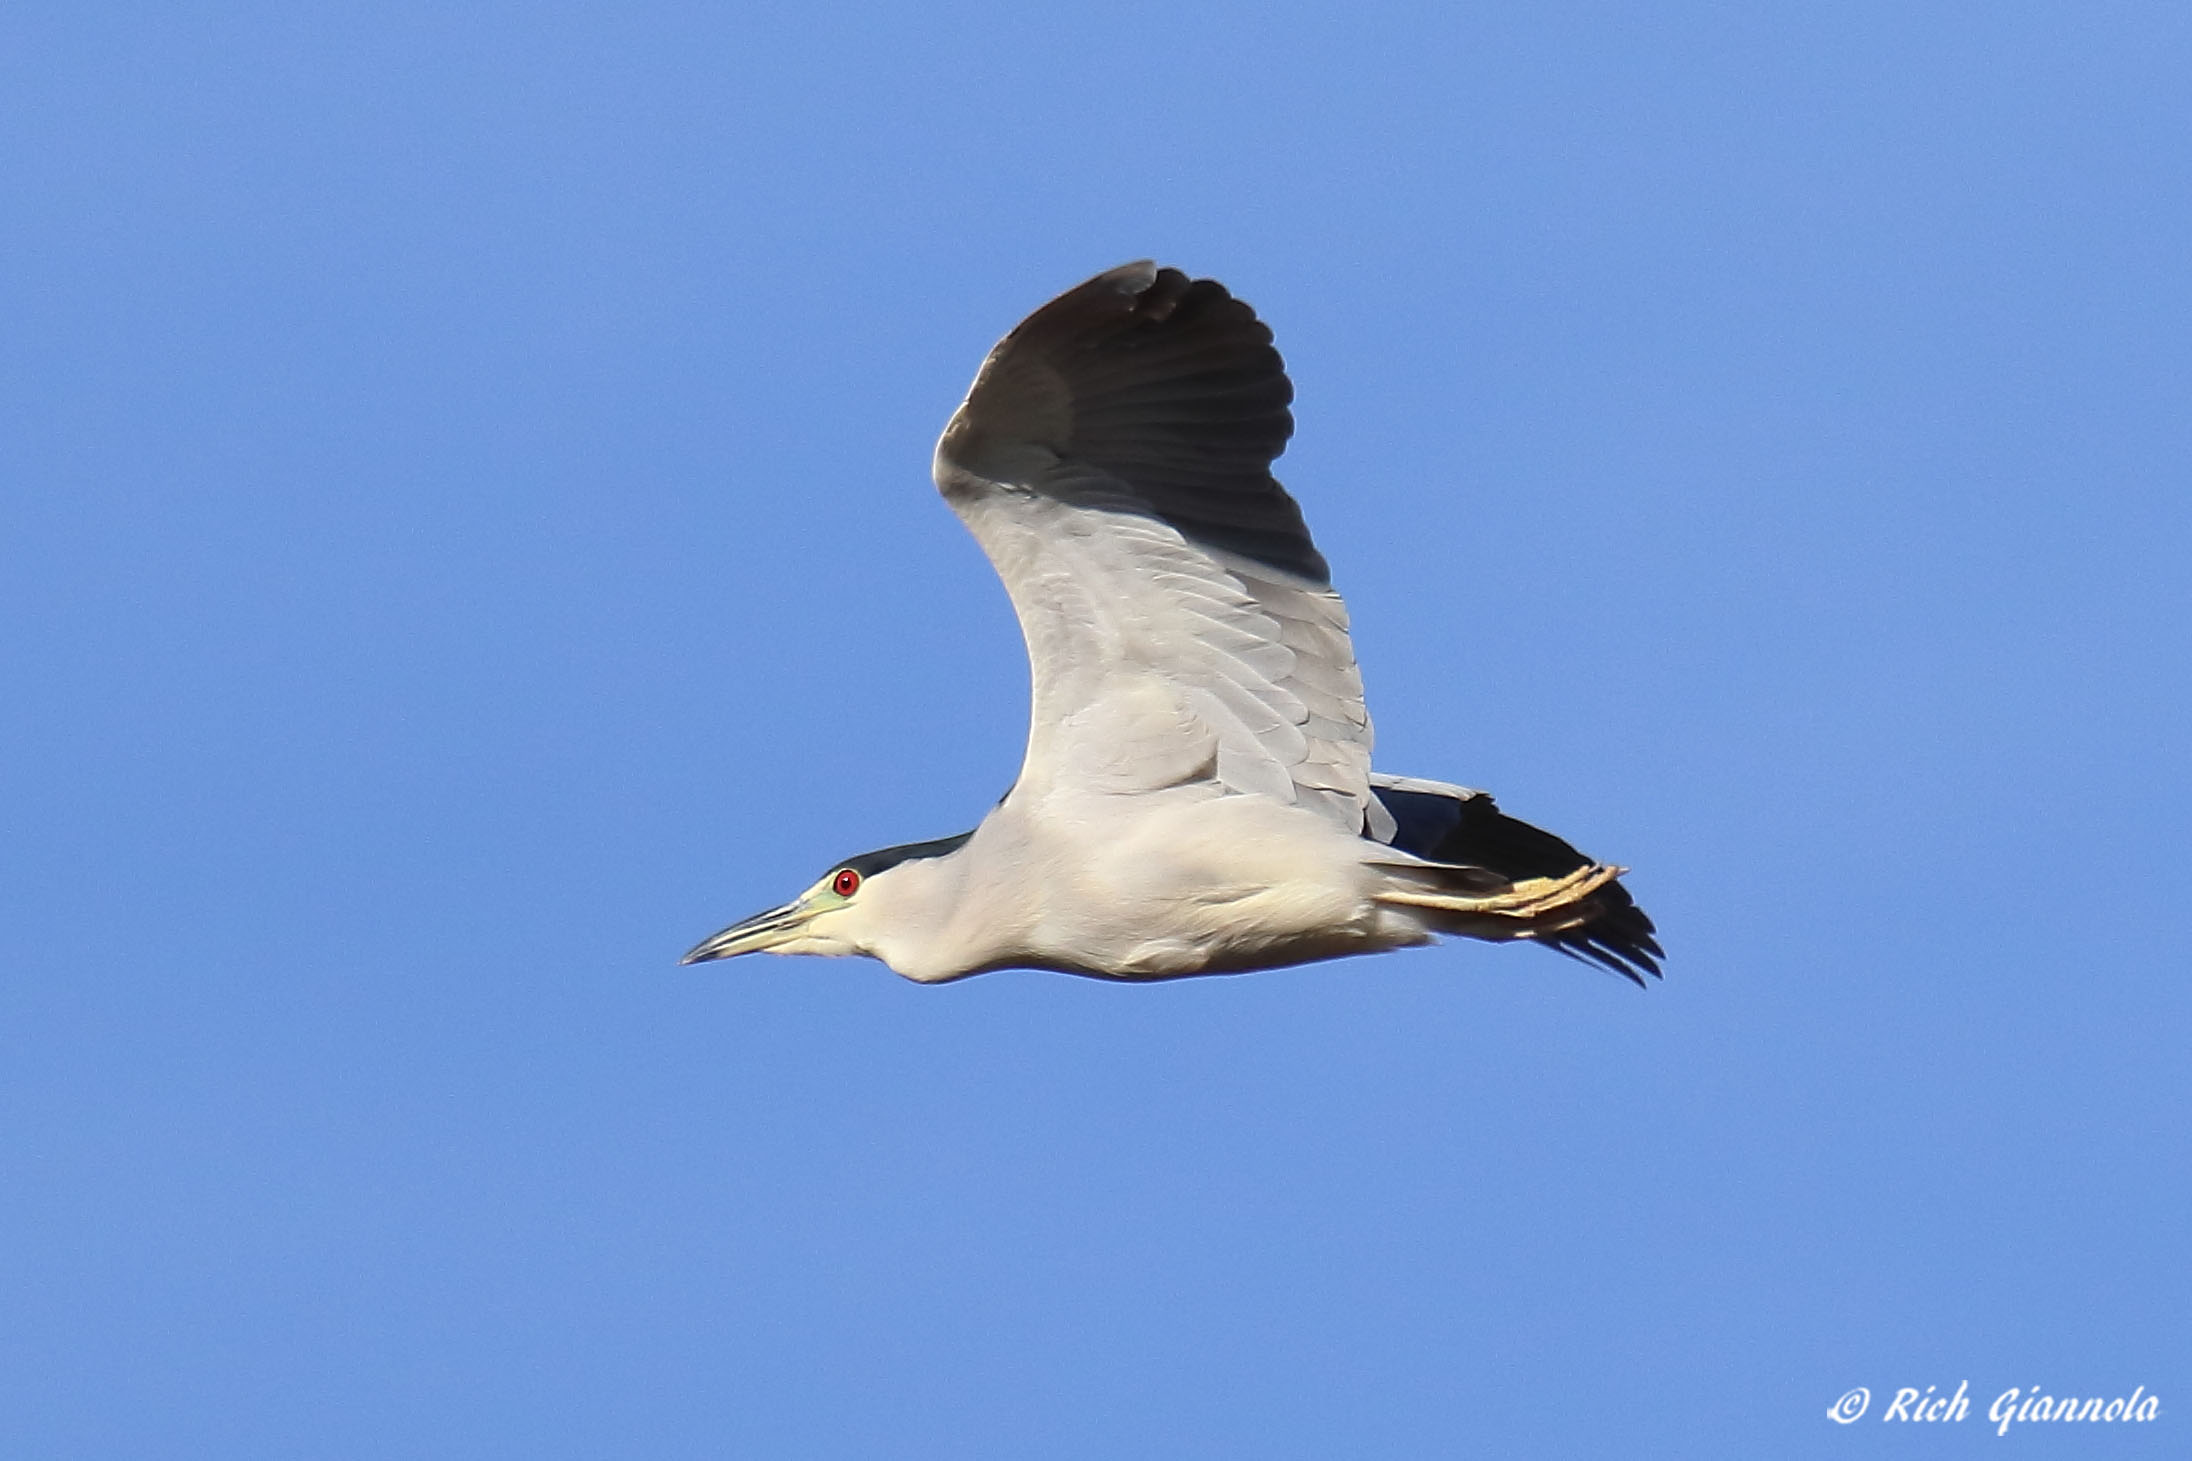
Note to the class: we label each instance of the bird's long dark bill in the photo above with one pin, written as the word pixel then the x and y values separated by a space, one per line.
pixel 762 931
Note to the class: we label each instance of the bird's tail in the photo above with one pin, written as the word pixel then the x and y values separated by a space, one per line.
pixel 1499 878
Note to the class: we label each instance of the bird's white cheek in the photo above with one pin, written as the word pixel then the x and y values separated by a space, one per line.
pixel 811 942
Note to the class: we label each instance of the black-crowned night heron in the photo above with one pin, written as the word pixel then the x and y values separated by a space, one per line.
pixel 1197 795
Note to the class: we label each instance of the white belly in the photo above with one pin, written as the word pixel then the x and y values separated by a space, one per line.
pixel 1195 884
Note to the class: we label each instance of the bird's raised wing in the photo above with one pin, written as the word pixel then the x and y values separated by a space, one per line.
pixel 1113 458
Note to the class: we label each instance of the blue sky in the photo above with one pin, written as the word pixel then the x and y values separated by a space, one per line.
pixel 465 535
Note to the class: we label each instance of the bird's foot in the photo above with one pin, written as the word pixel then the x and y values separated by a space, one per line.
pixel 1528 899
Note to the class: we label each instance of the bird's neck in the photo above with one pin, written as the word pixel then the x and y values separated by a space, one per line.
pixel 926 935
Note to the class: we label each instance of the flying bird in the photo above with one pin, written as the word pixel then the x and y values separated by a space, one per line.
pixel 1196 797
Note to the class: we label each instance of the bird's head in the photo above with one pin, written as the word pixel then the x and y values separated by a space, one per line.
pixel 855 908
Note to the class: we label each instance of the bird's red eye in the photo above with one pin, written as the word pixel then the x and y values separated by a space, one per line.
pixel 846 883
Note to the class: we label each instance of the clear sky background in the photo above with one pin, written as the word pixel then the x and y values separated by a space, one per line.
pixel 465 535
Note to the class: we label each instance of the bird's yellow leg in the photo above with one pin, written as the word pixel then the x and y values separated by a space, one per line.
pixel 1526 899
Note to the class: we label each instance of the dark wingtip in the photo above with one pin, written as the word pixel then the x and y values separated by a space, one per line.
pixel 1470 830
pixel 1620 940
pixel 1170 384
